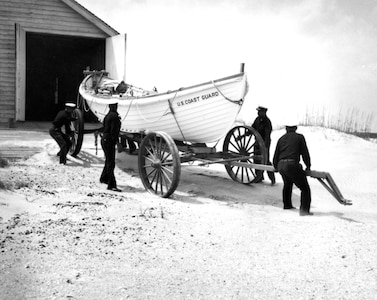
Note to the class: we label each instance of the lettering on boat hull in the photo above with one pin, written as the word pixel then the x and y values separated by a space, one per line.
pixel 197 99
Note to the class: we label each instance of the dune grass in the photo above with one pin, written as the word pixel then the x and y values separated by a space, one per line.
pixel 350 120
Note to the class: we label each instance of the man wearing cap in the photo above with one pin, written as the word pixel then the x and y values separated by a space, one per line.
pixel 264 127
pixel 290 147
pixel 63 118
pixel 109 139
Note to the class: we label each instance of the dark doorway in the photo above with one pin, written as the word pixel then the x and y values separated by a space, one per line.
pixel 54 70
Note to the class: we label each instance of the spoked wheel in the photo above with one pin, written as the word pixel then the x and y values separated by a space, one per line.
pixel 159 164
pixel 77 126
pixel 245 142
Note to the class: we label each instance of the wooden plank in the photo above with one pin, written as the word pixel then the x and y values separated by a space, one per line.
pixel 59 26
pixel 43 14
pixel 7 112
pixel 316 174
pixel 7 77
pixel 48 15
pixel 7 66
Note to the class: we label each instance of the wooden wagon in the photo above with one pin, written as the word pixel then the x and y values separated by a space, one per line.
pixel 176 127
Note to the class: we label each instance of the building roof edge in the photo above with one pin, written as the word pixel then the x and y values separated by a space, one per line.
pixel 91 17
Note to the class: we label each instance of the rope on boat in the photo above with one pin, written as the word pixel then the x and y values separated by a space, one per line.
pixel 239 102
pixel 216 143
pixel 84 105
pixel 149 121
pixel 129 107
pixel 173 113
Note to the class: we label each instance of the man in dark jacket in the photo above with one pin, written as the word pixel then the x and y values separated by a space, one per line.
pixel 264 127
pixel 109 139
pixel 63 118
pixel 290 147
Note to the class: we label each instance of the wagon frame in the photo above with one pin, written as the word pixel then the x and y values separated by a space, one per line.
pixel 160 157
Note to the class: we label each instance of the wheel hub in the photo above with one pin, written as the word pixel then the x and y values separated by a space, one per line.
pixel 244 152
pixel 156 163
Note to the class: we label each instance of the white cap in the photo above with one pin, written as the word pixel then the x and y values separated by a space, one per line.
pixel 70 104
pixel 112 101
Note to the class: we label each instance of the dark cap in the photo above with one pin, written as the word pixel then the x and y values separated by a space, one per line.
pixel 262 108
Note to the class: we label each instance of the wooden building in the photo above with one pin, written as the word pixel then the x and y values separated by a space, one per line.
pixel 44 47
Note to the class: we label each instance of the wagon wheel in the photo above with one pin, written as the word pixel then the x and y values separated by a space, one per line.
pixel 159 164
pixel 77 127
pixel 245 141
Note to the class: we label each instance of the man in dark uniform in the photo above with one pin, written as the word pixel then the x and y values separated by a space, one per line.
pixel 63 118
pixel 290 147
pixel 109 139
pixel 264 127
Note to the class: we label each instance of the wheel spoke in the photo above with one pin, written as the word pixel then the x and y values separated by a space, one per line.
pixel 149 167
pixel 242 170
pixel 166 176
pixel 167 170
pixel 162 182
pixel 238 169
pixel 237 147
pixel 247 174
pixel 157 181
pixel 148 158
pixel 245 177
pixel 243 174
pixel 239 141
pixel 153 170
pixel 248 146
pixel 165 155
pixel 151 153
pixel 157 146
pixel 155 175
pixel 152 149
pixel 164 179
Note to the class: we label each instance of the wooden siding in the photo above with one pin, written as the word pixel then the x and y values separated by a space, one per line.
pixel 42 16
pixel 47 16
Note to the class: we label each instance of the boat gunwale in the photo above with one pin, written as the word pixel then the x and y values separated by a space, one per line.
pixel 167 92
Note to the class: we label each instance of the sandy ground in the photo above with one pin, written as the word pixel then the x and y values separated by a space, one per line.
pixel 64 236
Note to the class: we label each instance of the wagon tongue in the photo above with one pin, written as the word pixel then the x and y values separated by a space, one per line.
pixel 329 184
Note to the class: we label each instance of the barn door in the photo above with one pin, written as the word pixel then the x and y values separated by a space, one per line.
pixel 115 62
pixel 20 72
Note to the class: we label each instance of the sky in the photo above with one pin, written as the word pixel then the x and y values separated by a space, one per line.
pixel 301 57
